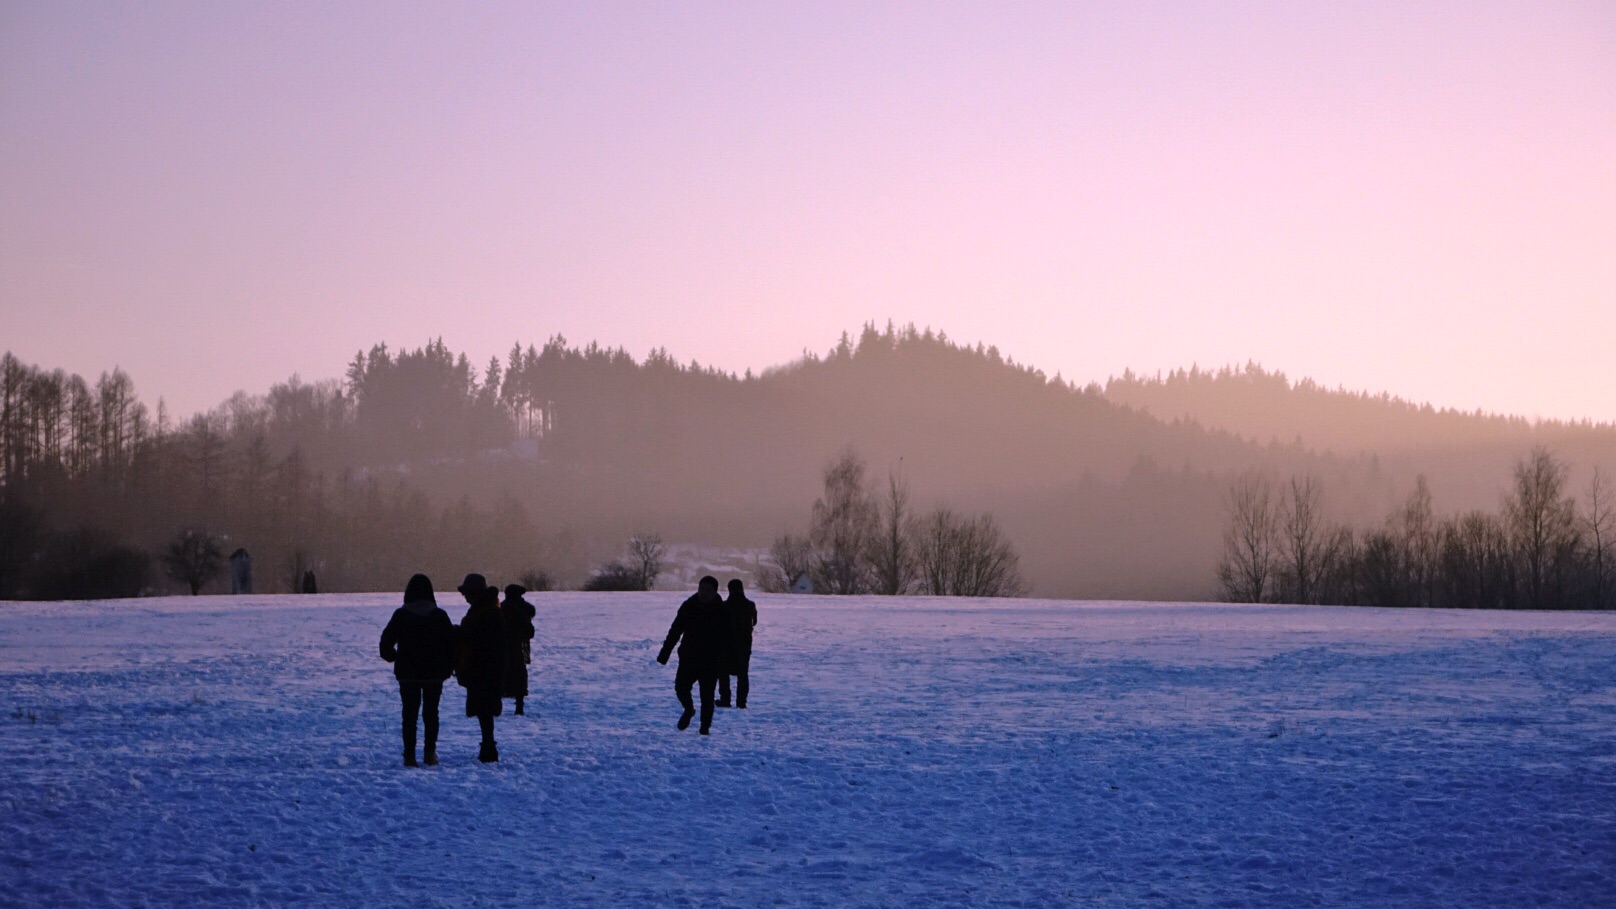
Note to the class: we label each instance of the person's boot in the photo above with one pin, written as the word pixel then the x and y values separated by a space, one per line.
pixel 488 753
pixel 704 730
pixel 409 757
pixel 721 703
pixel 519 710
pixel 431 757
pixel 686 717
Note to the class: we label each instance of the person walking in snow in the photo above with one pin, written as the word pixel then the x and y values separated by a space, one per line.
pixel 701 630
pixel 419 642
pixel 517 614
pixel 480 660
pixel 742 619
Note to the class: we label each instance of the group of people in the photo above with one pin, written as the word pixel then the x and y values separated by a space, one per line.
pixel 489 652
pixel 714 637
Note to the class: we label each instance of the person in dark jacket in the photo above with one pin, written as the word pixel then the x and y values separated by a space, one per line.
pixel 742 619
pixel 702 632
pixel 480 660
pixel 419 642
pixel 517 614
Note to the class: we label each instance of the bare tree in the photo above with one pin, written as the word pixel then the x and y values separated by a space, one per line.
pixel 985 563
pixel 1473 563
pixel 1337 584
pixel 194 558
pixel 892 550
pixel 966 557
pixel 1247 567
pixel 538 580
pixel 1303 539
pixel 646 554
pixel 1599 526
pixel 1542 529
pixel 791 558
pixel 844 522
pixel 1416 532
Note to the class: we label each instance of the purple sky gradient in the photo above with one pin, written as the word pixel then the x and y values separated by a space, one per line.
pixel 1418 198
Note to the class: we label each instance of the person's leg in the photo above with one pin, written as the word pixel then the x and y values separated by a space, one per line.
pixel 519 710
pixel 409 694
pixel 740 682
pixel 431 694
pixel 723 690
pixel 488 752
pixel 682 680
pixel 708 683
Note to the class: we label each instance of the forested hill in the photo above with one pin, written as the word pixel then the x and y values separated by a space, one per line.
pixel 549 458
pixel 1468 455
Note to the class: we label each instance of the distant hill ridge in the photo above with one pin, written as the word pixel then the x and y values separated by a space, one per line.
pixel 1260 405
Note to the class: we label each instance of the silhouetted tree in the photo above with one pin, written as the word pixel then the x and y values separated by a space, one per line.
pixel 791 558
pixel 1599 527
pixel 88 563
pixel 1474 566
pixel 844 523
pixel 1247 567
pixel 646 554
pixel 1416 533
pixel 1303 540
pixel 1541 521
pixel 616 576
pixel 537 580
pixel 892 556
pixel 22 533
pixel 193 558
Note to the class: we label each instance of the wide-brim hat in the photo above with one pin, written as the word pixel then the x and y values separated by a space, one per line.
pixel 474 583
pixel 514 590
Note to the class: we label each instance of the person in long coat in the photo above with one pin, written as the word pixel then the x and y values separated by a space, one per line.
pixel 517 613
pixel 419 642
pixel 742 619
pixel 480 660
pixel 702 632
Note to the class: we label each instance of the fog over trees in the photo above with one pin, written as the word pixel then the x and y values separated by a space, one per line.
pixel 1542 548
pixel 547 460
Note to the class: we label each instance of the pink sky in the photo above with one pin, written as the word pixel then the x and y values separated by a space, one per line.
pixel 1418 198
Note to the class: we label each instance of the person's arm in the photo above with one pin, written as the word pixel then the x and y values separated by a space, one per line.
pixel 754 615
pixel 446 645
pixel 675 631
pixel 389 644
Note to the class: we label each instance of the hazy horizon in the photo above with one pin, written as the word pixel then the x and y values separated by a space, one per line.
pixel 1410 199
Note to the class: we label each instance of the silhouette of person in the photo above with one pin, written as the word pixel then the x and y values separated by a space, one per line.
pixel 517 614
pixel 309 586
pixel 480 660
pixel 702 632
pixel 419 642
pixel 742 619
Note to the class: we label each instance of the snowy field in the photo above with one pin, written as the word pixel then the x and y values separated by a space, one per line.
pixel 227 751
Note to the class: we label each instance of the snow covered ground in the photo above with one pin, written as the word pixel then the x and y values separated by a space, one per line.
pixel 244 751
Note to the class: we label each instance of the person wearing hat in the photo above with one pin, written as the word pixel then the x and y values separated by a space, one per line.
pixel 517 614
pixel 702 632
pixel 419 642
pixel 480 660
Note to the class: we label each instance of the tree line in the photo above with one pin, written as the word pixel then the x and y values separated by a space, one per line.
pixel 1544 548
